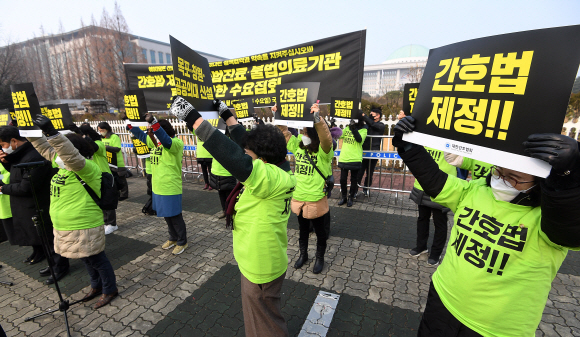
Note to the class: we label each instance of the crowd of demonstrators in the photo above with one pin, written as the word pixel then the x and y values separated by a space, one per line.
pixel 112 144
pixel 20 228
pixel 166 180
pixel 313 154
pixel 350 159
pixel 374 128
pixel 204 159
pixel 538 220
pixel 221 179
pixel 77 234
pixel 428 208
pixel 257 211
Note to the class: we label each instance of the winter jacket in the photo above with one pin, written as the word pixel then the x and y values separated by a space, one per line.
pixel 374 129
pixel 22 204
pixel 80 234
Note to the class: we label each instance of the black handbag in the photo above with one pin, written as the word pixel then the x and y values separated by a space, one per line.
pixel 328 181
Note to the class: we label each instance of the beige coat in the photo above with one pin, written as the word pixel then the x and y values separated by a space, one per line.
pixel 77 243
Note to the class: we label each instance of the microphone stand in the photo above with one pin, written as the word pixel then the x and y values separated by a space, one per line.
pixel 39 224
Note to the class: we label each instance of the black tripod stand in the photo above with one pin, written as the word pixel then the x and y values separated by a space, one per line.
pixel 39 224
pixel 6 283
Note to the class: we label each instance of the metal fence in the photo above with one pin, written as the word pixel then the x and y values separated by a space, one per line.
pixel 390 175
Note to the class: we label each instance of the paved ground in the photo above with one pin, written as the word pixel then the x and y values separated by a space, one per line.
pixel 383 290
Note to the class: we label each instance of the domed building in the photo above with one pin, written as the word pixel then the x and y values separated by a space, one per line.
pixel 404 65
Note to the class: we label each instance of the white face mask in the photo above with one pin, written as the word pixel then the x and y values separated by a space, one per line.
pixel 306 140
pixel 104 133
pixel 59 162
pixel 8 150
pixel 504 191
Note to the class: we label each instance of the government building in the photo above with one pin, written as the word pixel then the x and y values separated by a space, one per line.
pixel 404 65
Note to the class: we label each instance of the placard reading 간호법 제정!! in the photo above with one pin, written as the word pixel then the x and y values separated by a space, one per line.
pixel 26 109
pixel 482 98
pixel 294 102
pixel 344 109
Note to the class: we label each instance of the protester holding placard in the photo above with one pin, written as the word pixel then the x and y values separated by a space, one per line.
pixel 512 232
pixel 204 159
pixel 313 154
pixel 115 158
pixel 350 159
pixel 375 128
pixel 77 218
pixel 166 164
pixel 258 210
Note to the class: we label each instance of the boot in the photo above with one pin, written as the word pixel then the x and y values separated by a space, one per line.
pixel 206 186
pixel 303 255
pixel 349 202
pixel 319 263
pixel 342 201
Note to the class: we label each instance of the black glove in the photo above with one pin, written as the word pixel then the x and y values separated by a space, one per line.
pixel 184 111
pixel 558 150
pixel 149 118
pixel 74 128
pixel 405 125
pixel 222 109
pixel 45 125
pixel 352 124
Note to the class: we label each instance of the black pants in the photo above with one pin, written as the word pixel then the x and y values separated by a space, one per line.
pixel 149 188
pixel 438 321
pixel 368 166
pixel 205 169
pixel 110 217
pixel 176 227
pixel 101 272
pixel 223 196
pixel 353 182
pixel 319 224
pixel 440 222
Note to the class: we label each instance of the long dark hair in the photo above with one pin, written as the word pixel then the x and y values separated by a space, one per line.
pixel 90 132
pixel 315 144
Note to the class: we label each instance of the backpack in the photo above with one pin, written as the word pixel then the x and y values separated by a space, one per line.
pixel 109 192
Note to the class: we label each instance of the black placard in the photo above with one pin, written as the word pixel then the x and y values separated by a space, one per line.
pixel 59 115
pixel 482 98
pixel 141 148
pixel 157 83
pixel 26 108
pixel 294 102
pixel 410 92
pixel 135 107
pixel 5 118
pixel 344 108
pixel 244 109
pixel 336 62
pixel 192 78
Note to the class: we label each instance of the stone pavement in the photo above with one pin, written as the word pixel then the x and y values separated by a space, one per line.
pixel 382 289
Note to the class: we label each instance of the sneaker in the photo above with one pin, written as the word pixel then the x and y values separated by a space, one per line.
pixel 110 229
pixel 416 252
pixel 434 262
pixel 179 249
pixel 366 193
pixel 169 244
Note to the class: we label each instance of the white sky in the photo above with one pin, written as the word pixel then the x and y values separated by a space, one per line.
pixel 241 28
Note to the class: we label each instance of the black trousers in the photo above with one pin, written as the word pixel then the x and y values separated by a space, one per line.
pixel 319 229
pixel 440 222
pixel 438 321
pixel 353 182
pixel 176 227
pixel 110 217
pixel 223 196
pixel 149 186
pixel 205 169
pixel 368 166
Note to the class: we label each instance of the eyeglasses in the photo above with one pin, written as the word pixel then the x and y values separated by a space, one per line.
pixel 496 171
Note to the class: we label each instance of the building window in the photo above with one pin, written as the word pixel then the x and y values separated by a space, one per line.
pixel 160 57
pixel 145 54
pixel 168 58
pixel 152 61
